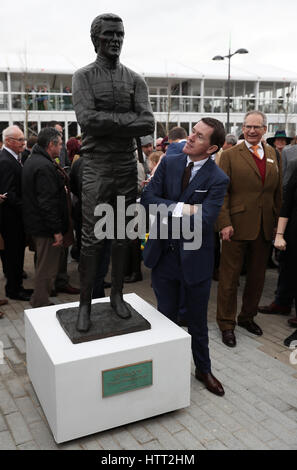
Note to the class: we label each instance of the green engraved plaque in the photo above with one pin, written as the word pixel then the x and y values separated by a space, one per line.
pixel 127 378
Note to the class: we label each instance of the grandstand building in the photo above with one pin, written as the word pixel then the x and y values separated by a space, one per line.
pixel 38 90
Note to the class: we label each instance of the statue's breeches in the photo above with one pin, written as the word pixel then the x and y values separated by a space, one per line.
pixel 105 176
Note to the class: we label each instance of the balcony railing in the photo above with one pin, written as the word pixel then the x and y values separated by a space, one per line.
pixel 210 104
pixel 37 101
pixel 53 101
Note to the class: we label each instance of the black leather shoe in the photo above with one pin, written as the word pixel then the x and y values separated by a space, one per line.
pixel 20 296
pixel 212 384
pixel 228 338
pixel 251 326
pixel 135 277
pixel 289 339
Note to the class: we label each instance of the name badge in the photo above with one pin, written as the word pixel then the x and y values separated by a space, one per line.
pixel 270 161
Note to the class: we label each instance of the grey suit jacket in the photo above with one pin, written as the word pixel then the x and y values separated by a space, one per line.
pixel 289 162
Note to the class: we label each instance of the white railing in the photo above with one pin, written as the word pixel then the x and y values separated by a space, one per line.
pixel 54 101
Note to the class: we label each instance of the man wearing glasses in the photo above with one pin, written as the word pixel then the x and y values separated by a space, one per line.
pixel 246 223
pixel 12 228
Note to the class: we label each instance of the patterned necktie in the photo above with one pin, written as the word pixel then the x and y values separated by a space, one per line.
pixel 187 175
pixel 255 151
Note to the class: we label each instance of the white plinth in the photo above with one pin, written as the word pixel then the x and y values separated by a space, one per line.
pixel 67 377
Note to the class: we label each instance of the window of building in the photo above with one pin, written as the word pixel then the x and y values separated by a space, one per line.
pixel 3 125
pixel 238 88
pixel 3 82
pixel 185 88
pixel 16 82
pixel 32 128
pixel 161 129
pixel 3 88
pixel 196 87
pixel 175 89
pixel 186 126
pixel 266 91
pixel 214 88
pixel 153 90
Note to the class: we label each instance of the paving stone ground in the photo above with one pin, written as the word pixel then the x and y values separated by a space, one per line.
pixel 258 411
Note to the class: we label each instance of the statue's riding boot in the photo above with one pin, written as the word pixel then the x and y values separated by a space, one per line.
pixel 87 269
pixel 118 255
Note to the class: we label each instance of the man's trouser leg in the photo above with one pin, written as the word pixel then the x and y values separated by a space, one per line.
pixel 197 297
pixel 167 283
pixel 45 271
pixel 230 267
pixel 257 256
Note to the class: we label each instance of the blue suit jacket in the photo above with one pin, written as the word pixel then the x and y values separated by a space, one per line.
pixel 208 188
pixel 175 148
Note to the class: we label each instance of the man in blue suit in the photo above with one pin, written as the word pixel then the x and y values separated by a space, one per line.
pixel 177 138
pixel 181 182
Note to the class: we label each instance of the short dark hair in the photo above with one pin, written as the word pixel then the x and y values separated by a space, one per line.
pixel 31 141
pixel 97 23
pixel 218 135
pixel 48 135
pixel 52 123
pixel 177 133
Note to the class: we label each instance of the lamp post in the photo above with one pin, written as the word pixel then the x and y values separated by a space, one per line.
pixel 228 56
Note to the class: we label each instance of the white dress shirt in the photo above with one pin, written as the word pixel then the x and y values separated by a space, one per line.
pixel 178 211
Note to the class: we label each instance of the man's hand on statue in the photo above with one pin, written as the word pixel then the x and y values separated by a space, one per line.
pixel 189 209
pixel 227 233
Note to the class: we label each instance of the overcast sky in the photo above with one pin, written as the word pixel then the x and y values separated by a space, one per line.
pixel 188 31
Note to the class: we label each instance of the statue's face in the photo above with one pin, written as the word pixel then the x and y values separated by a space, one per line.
pixel 110 39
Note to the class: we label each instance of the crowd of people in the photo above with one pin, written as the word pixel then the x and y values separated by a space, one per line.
pixel 35 201
pixel 255 210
